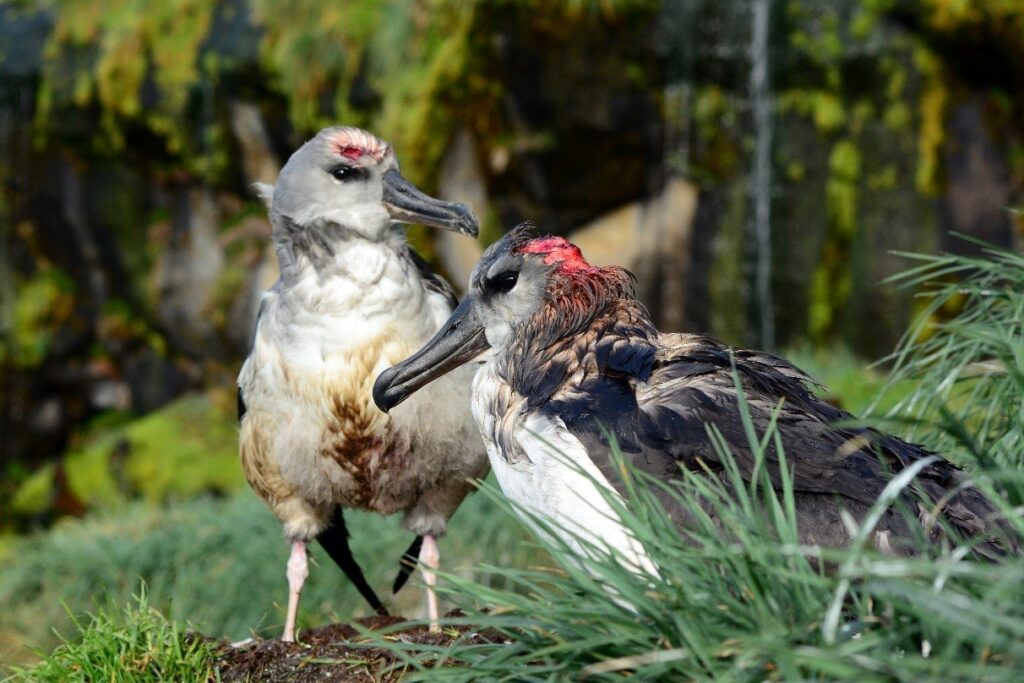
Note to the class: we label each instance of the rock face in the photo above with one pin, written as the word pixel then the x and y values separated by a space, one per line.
pixel 979 189
pixel 188 270
pixel 584 117
pixel 135 251
pixel 461 179
pixel 652 239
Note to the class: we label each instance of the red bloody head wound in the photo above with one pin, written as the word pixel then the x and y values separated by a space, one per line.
pixel 557 250
pixel 354 144
pixel 352 153
pixel 578 287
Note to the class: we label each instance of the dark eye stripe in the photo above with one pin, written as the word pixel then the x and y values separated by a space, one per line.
pixel 346 173
pixel 503 282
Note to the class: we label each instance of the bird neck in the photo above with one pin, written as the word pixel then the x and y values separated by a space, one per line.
pixel 325 248
pixel 555 347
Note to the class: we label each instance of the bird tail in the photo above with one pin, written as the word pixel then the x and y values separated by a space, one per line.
pixel 334 540
pixel 974 516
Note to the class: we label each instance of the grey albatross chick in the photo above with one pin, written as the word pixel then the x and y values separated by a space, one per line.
pixel 352 300
pixel 572 353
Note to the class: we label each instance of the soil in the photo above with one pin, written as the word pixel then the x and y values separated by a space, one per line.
pixel 336 652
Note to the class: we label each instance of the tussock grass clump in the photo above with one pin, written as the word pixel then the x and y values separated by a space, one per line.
pixel 136 644
pixel 964 356
pixel 737 598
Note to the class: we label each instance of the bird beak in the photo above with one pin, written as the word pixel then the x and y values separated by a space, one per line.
pixel 407 204
pixel 459 341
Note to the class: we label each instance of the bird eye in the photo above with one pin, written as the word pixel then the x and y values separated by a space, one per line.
pixel 344 173
pixel 505 282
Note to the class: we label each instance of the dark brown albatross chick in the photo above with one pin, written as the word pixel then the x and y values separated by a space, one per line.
pixel 572 353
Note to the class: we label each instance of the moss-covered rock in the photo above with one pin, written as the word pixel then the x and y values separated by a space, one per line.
pixel 184 449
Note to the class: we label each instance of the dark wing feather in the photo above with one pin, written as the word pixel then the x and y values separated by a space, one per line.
pixel 431 280
pixel 241 405
pixel 660 426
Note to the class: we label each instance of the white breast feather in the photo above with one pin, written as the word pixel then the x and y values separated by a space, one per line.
pixel 557 480
pixel 308 336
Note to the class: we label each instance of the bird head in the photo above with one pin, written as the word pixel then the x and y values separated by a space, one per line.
pixel 536 289
pixel 349 177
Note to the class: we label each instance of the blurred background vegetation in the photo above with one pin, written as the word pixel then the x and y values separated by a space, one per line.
pixel 762 205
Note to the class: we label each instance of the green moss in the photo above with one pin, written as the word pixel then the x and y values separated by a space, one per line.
pixel 884 179
pixel 90 474
pixel 863 23
pixel 961 15
pixel 418 115
pixel 34 494
pixel 715 115
pixel 897 116
pixel 831 283
pixel 844 165
pixel 415 64
pixel 407 70
pixel 102 53
pixel 188 447
pixel 932 134
pixel 820 311
pixel 118 321
pixel 42 304
pixel 823 107
pixel 313 51
pixel 856 92
pixel 819 39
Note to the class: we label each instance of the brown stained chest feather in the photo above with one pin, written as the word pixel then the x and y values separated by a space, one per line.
pixel 363 443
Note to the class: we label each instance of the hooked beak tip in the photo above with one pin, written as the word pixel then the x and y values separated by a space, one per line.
pixel 407 204
pixel 387 395
pixel 468 224
pixel 458 341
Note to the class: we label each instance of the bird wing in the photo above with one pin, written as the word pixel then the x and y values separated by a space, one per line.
pixel 432 281
pixel 659 418
pixel 241 405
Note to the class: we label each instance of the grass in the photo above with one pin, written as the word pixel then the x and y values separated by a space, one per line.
pixel 738 599
pixel 138 643
pixel 220 565
pixel 965 357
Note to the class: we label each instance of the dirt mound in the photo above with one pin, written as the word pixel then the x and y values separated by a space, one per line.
pixel 336 652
